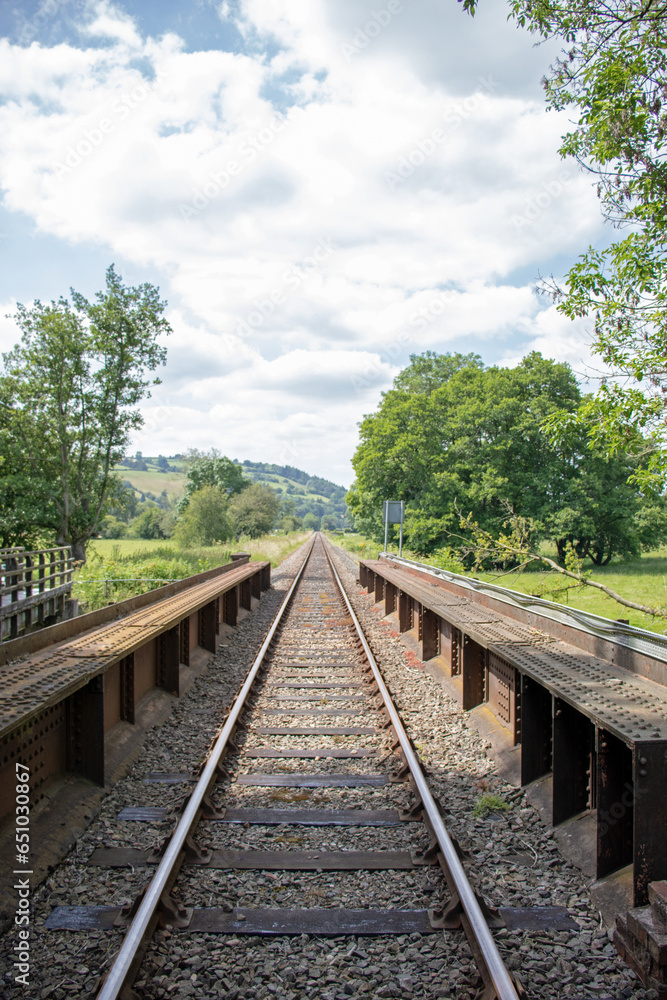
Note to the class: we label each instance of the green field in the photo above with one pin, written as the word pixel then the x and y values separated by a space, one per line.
pixel 155 482
pixel 304 499
pixel 642 580
pixel 122 568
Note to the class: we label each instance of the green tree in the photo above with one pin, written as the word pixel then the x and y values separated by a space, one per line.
pixel 311 523
pixel 205 520
pixel 111 527
pixel 212 469
pixel 611 81
pixel 68 394
pixel 148 524
pixel 290 523
pixel 331 522
pixel 253 512
pixel 472 442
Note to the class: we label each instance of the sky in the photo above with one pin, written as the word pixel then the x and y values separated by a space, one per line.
pixel 319 188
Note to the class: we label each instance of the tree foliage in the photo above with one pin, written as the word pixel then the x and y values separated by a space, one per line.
pixel 612 81
pixel 457 436
pixel 212 469
pixel 253 512
pixel 68 397
pixel 205 520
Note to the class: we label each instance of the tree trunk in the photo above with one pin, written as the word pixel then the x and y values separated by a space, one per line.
pixel 79 550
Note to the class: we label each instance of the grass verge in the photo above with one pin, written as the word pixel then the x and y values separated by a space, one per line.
pixel 116 570
pixel 643 580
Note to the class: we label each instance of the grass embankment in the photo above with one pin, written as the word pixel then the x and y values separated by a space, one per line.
pixel 118 569
pixel 643 580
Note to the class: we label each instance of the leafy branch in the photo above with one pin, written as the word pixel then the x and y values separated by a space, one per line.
pixel 514 543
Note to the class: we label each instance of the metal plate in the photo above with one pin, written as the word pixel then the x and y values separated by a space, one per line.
pixel 310 754
pixel 278 817
pixel 305 686
pixel 156 777
pixel 321 731
pixel 623 703
pixel 323 923
pixel 537 918
pixel 315 712
pixel 313 817
pixel 318 698
pixel 331 923
pixel 82 918
pixel 313 780
pixel 294 861
pixel 318 663
pixel 142 814
pixel 277 861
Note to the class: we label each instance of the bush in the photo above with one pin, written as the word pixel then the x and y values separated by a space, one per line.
pixel 253 512
pixel 204 520
pixel 148 524
pixel 113 528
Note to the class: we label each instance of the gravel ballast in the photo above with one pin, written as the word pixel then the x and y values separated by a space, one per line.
pixel 576 964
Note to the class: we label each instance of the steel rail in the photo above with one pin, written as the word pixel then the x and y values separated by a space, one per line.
pixel 633 637
pixel 500 977
pixel 116 978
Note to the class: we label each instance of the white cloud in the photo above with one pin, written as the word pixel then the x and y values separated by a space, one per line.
pixel 110 22
pixel 305 213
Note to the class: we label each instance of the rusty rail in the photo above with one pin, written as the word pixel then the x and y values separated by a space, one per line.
pixel 139 932
pixel 492 967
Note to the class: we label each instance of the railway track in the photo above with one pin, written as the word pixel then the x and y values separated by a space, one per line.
pixel 309 855
pixel 313 713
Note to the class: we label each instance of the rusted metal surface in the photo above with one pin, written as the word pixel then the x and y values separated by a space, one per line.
pixel 39 745
pixel 573 767
pixel 615 804
pixel 323 923
pixel 637 650
pixel 53 674
pixel 584 719
pixel 502 691
pixel 283 861
pixel 54 634
pixel 316 731
pixel 85 722
pixel 474 673
pixel 315 712
pixel 313 780
pixel 315 753
pixel 278 817
pixel 627 706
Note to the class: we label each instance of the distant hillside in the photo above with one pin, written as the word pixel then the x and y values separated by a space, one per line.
pixel 300 492
pixel 308 494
